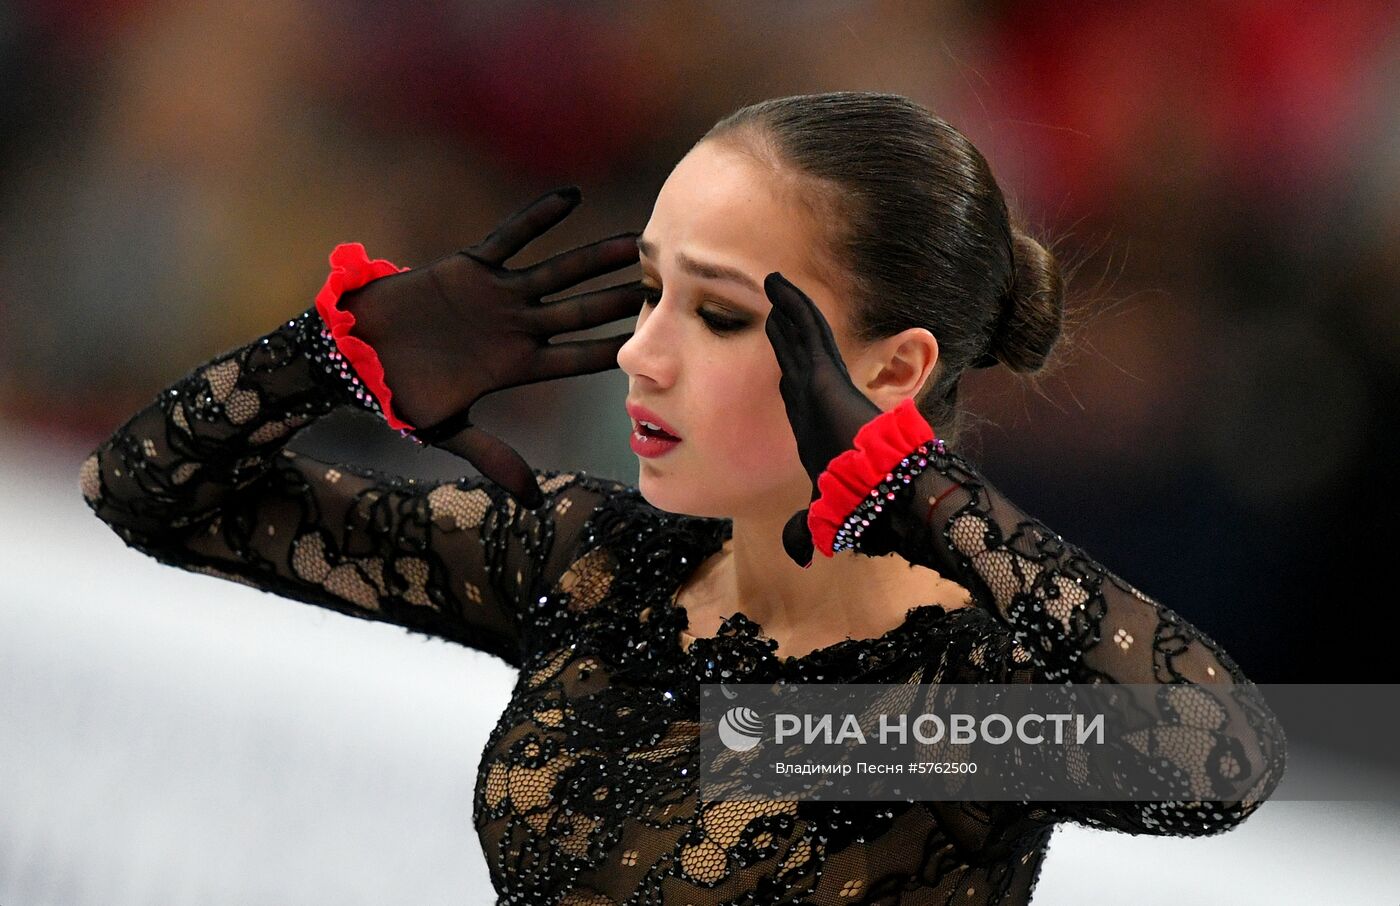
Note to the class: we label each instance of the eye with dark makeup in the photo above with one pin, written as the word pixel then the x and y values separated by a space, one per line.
pixel 716 323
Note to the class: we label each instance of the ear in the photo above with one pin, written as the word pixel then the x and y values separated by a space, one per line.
pixel 898 366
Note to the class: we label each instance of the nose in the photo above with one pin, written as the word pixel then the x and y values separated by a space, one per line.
pixel 645 354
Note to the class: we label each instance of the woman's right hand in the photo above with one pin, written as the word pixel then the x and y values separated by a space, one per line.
pixel 464 326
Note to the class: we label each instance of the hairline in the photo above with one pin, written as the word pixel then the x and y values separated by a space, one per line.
pixel 795 185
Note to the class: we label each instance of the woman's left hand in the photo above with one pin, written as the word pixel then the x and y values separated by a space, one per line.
pixel 825 407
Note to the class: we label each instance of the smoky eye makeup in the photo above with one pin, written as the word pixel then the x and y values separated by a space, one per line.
pixel 716 321
pixel 722 324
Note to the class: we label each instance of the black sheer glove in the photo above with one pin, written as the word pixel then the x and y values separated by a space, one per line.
pixel 825 407
pixel 464 326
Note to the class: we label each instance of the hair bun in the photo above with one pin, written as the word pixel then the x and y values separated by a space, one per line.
pixel 1034 313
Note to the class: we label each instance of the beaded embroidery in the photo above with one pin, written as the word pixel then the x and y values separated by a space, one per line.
pixel 322 348
pixel 880 446
pixel 848 535
pixel 354 361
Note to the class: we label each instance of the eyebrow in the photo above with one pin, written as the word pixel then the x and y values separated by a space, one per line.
pixel 705 269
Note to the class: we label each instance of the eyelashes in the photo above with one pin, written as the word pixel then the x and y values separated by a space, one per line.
pixel 716 323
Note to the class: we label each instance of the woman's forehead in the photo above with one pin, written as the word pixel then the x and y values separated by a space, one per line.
pixel 719 195
pixel 724 207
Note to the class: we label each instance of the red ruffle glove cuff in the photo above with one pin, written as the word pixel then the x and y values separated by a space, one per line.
pixel 351 268
pixel 879 446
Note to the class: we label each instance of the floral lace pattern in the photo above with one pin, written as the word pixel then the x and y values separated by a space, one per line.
pixel 586 792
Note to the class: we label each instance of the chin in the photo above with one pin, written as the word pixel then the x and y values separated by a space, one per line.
pixel 685 498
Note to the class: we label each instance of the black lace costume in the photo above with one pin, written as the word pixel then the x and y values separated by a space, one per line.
pixel 586 789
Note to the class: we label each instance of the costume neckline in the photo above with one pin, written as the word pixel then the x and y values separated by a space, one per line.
pixel 709 535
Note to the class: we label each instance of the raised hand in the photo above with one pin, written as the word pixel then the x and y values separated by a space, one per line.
pixel 464 326
pixel 825 407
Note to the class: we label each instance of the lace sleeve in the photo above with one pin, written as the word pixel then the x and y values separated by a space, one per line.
pixel 201 479
pixel 1067 619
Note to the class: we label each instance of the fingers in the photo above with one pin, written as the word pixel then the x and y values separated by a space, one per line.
pixel 802 312
pixel 527 224
pixel 573 267
pixel 498 462
pixel 786 340
pixel 579 357
pixel 797 539
pixel 591 309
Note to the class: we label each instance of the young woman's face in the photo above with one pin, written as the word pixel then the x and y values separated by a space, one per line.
pixel 699 357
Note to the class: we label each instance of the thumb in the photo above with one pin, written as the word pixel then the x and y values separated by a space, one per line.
pixel 498 462
pixel 797 539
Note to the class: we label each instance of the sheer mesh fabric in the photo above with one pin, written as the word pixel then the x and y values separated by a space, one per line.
pixel 586 792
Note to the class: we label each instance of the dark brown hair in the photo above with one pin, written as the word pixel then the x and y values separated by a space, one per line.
pixel 919 228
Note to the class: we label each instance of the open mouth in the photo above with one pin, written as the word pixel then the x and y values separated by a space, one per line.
pixel 647 430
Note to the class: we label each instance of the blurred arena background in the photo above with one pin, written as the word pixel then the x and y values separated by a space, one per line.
pixel 1225 176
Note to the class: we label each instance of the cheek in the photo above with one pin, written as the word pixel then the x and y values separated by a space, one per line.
pixel 753 431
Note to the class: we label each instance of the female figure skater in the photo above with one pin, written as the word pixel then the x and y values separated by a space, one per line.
pixel 818 274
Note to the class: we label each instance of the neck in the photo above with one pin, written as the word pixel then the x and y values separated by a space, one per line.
pixel 848 595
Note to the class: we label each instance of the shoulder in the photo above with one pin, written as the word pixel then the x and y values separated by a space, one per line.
pixel 581 498
pixel 552 480
pixel 572 533
pixel 966 645
pixel 588 514
pixel 609 520
pixel 616 510
pixel 572 497
pixel 619 531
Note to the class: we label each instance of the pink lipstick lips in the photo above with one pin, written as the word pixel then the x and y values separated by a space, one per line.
pixel 651 435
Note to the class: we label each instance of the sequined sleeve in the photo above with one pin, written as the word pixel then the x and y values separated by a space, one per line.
pixel 1065 618
pixel 201 479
